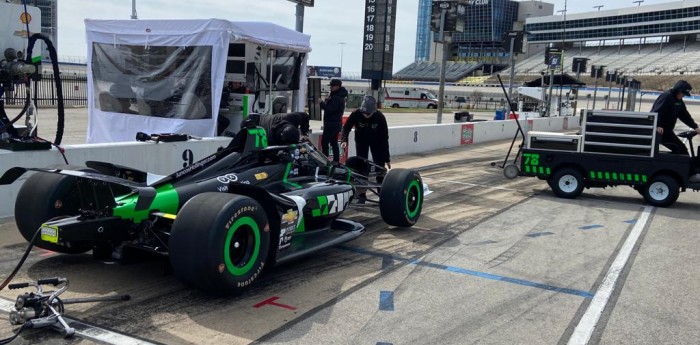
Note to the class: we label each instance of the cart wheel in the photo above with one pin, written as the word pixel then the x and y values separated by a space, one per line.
pixel 511 171
pixel 661 191
pixel 219 243
pixel 567 183
pixel 401 197
pixel 46 196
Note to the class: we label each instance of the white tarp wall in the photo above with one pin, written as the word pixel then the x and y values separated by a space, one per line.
pixel 166 76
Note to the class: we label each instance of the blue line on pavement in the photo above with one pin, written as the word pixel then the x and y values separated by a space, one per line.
pixel 418 262
pixel 590 227
pixel 483 243
pixel 387 262
pixel 538 234
pixel 386 300
pixel 383 343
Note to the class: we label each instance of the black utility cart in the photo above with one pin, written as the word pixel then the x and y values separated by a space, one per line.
pixel 613 148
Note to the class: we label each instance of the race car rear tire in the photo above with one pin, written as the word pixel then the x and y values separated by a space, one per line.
pixel 401 197
pixel 46 196
pixel 662 191
pixel 219 243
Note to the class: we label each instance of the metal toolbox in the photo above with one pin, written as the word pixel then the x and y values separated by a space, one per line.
pixel 619 132
pixel 554 141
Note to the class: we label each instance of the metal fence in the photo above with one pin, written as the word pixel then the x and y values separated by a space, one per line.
pixel 44 93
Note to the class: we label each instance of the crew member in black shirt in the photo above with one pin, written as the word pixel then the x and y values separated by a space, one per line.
pixel 371 134
pixel 670 108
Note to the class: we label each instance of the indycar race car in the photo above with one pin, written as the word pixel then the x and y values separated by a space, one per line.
pixel 221 220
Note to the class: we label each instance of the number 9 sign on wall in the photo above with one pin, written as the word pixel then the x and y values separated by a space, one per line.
pixel 378 40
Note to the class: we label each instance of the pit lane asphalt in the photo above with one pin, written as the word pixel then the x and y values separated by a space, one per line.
pixel 491 261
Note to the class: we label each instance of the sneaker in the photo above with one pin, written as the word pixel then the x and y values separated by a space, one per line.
pixel 694 178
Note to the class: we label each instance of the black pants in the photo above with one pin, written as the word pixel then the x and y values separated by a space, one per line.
pixel 363 150
pixel 330 137
pixel 673 143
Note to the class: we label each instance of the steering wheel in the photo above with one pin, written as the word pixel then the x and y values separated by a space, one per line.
pixel 687 134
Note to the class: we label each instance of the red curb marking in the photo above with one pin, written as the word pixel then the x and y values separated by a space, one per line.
pixel 271 301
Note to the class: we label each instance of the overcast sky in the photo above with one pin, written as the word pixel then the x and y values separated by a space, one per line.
pixel 329 23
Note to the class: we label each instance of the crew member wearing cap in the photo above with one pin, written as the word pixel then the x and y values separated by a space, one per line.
pixel 333 108
pixel 285 128
pixel 371 133
pixel 670 108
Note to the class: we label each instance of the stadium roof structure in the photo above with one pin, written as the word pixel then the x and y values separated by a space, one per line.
pixel 668 19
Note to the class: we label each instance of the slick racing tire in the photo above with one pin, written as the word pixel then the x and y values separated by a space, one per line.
pixel 46 196
pixel 219 243
pixel 662 191
pixel 401 197
pixel 567 183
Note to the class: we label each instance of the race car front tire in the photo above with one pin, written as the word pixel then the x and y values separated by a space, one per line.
pixel 401 197
pixel 219 243
pixel 46 196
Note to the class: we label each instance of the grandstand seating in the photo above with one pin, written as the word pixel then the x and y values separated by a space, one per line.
pixel 646 59
pixel 427 71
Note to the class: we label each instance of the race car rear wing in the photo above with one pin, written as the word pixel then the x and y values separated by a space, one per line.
pixel 146 194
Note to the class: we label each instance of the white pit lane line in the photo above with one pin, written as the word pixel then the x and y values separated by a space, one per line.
pixel 87 331
pixel 584 330
pixel 472 184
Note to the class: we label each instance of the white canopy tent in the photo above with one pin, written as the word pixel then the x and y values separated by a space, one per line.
pixel 166 76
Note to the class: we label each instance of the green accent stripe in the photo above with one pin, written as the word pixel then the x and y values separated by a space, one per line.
pixel 233 269
pixel 629 177
pixel 600 175
pixel 245 107
pixel 549 171
pixel 644 178
pixel 285 179
pixel 592 174
pixel 36 59
pixel 614 176
pixel 167 201
pixel 413 184
pixel 607 175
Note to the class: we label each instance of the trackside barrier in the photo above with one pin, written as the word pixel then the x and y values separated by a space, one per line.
pixel 165 158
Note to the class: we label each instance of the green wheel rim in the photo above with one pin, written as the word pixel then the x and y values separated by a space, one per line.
pixel 246 234
pixel 413 198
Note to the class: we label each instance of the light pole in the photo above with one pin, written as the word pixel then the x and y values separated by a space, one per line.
pixel 133 9
pixel 598 7
pixel 342 46
pixel 638 2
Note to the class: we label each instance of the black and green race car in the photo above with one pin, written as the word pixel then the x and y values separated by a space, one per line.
pixel 222 220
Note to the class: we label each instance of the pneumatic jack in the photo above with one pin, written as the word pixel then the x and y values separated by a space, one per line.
pixel 41 309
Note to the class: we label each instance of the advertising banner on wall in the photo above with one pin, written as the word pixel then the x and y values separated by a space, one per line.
pixel 325 71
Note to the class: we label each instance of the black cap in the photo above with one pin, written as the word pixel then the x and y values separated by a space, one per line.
pixel 336 82
pixel 682 86
pixel 369 105
pixel 290 134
